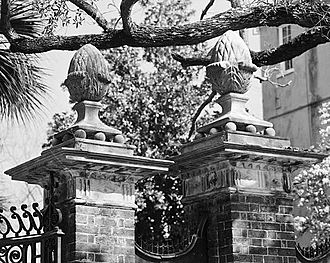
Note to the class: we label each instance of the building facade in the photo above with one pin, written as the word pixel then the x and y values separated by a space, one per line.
pixel 298 88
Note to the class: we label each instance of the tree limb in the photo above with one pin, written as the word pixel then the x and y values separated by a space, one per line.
pixel 306 15
pixel 295 47
pixel 192 61
pixel 113 38
pixel 204 12
pixel 93 13
pixel 198 112
pixel 125 10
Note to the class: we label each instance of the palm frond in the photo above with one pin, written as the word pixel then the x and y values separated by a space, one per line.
pixel 25 19
pixel 21 84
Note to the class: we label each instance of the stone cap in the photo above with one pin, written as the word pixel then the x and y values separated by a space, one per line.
pixel 229 145
pixel 36 171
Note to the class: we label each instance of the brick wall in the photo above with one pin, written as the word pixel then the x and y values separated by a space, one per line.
pixel 99 234
pixel 247 227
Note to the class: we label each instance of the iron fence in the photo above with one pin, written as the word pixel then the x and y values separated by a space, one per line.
pixel 316 253
pixel 31 236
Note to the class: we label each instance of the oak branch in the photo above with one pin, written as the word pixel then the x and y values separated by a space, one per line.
pixel 313 16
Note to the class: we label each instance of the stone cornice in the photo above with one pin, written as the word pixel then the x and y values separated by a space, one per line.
pixel 220 147
pixel 63 159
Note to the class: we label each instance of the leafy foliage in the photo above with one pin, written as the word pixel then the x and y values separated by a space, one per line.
pixel 313 187
pixel 60 122
pixel 159 206
pixel 325 127
pixel 58 13
pixel 153 108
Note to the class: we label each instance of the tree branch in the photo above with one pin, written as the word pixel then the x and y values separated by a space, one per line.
pixel 113 38
pixel 303 14
pixel 295 47
pixel 198 112
pixel 93 13
pixel 204 12
pixel 193 61
pixel 125 10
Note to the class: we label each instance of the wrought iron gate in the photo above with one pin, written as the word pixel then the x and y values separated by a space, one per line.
pixel 32 236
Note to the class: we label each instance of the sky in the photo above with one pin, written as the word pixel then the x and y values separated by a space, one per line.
pixel 20 143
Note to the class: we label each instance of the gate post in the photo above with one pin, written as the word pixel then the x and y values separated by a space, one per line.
pixel 95 195
pixel 242 181
pixel 238 172
pixel 95 170
pixel 245 191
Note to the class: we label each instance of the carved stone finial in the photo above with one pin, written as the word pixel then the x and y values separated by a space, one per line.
pixel 88 76
pixel 232 65
pixel 88 81
pixel 230 75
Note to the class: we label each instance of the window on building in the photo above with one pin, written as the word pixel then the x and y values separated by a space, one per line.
pixel 284 37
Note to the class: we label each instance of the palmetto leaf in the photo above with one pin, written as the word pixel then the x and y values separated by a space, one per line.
pixel 25 19
pixel 21 86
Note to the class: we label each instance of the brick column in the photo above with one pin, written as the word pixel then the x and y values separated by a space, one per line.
pixel 103 234
pixel 242 181
pixel 266 223
pixel 247 227
pixel 253 228
pixel 98 217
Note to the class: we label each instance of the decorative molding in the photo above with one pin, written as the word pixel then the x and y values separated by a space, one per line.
pixel 94 187
pixel 207 179
pixel 242 175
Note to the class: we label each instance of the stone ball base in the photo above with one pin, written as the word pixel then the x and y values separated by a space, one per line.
pixel 232 126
